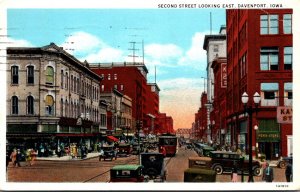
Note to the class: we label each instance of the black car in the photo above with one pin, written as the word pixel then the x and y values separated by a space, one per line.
pixel 108 153
pixel 153 166
pixel 282 162
pixel 223 161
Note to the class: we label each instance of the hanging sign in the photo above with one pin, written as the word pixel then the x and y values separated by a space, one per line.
pixel 223 75
pixel 285 115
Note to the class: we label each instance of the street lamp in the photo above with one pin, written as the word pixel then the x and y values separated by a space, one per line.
pixel 250 110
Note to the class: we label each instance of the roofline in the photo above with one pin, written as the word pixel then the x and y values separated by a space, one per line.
pixel 207 38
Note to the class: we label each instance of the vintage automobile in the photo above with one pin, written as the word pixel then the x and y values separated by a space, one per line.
pixel 153 166
pixel 137 149
pixel 203 149
pixel 282 162
pixel 126 173
pixel 224 161
pixel 199 170
pixel 124 149
pixel 200 162
pixel 108 153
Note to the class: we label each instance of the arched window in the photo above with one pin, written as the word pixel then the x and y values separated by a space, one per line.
pixel 62 107
pixel 15 105
pixel 30 105
pixel 49 103
pixel 30 74
pixel 49 75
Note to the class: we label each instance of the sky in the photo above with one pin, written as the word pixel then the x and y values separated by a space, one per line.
pixel 172 39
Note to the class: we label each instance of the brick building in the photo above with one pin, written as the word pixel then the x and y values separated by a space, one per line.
pixel 259 59
pixel 131 80
pixel 218 115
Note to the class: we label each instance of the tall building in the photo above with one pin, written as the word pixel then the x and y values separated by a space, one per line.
pixel 215 46
pixel 52 98
pixel 259 59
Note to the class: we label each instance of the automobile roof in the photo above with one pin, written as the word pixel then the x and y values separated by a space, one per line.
pixel 126 167
pixel 225 152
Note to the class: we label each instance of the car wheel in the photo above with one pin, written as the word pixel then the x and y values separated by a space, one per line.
pixel 282 164
pixel 256 171
pixel 218 169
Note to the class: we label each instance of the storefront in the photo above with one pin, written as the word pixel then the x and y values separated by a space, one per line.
pixel 268 139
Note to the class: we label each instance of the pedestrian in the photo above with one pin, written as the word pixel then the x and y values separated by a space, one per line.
pixel 289 171
pixel 28 156
pixel 13 157
pixel 163 151
pixel 33 156
pixel 7 159
pixel 234 176
pixel 18 158
pixel 268 174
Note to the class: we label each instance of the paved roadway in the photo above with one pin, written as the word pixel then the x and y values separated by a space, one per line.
pixel 92 170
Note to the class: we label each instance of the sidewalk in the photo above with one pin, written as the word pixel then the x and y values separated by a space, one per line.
pixel 67 157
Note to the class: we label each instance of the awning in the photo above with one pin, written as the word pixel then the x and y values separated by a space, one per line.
pixel 112 138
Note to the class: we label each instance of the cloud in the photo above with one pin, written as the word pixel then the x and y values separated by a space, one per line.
pixel 195 56
pixel 107 54
pixel 163 51
pixel 18 43
pixel 82 43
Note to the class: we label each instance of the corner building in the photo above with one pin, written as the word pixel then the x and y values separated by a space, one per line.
pixel 259 59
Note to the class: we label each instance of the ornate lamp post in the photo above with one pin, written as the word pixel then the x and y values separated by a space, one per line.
pixel 249 109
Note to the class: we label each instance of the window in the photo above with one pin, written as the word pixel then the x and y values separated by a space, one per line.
pixel 67 81
pixel 268 59
pixel 62 79
pixel 268 24
pixel 30 105
pixel 108 77
pixel 15 75
pixel 122 87
pixel 15 105
pixel 288 94
pixel 49 75
pixel 287 23
pixel 269 94
pixel 115 76
pixel 288 58
pixel 116 86
pixel 49 105
pixel 102 87
pixel 216 48
pixel 30 74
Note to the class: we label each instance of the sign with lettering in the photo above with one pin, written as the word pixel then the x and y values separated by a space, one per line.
pixel 285 115
pixel 223 75
pixel 268 137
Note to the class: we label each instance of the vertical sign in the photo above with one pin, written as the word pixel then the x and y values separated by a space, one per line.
pixel 223 75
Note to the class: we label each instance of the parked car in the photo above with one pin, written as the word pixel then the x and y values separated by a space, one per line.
pixel 126 173
pixel 153 166
pixel 225 161
pixel 282 162
pixel 108 153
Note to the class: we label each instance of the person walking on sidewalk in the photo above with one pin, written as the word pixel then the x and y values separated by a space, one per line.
pixel 33 155
pixel 268 174
pixel 289 171
pixel 13 157
pixel 234 176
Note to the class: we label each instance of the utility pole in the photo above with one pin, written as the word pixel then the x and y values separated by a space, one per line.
pixel 133 49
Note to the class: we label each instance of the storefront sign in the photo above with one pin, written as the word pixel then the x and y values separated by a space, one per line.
pixel 268 137
pixel 285 115
pixel 223 75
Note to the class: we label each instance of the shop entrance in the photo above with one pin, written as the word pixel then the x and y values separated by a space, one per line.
pixel 270 149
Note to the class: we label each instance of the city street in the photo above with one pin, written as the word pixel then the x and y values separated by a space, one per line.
pixel 92 170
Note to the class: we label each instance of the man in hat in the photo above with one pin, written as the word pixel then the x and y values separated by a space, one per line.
pixel 268 174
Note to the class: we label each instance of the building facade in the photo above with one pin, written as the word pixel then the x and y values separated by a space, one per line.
pixel 259 59
pixel 47 91
pixel 215 46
